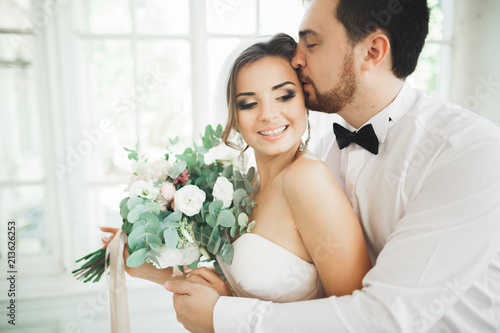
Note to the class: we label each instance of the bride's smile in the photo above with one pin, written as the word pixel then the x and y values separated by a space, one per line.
pixel 270 105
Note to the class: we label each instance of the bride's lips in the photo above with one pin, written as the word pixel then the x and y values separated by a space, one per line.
pixel 273 133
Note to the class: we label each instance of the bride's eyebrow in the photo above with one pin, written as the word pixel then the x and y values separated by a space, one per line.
pixel 245 94
pixel 282 85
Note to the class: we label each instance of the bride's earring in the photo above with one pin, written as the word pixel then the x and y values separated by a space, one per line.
pixel 306 144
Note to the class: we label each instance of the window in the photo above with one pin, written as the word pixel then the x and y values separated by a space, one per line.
pixel 79 80
pixel 432 73
pixel 26 193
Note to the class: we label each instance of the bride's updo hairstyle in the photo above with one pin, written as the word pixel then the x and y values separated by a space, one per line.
pixel 279 45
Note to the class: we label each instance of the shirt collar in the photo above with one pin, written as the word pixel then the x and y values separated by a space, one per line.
pixel 390 115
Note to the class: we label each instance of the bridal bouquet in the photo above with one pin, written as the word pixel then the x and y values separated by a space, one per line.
pixel 181 211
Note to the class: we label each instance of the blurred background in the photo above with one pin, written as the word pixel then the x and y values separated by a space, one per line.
pixel 81 79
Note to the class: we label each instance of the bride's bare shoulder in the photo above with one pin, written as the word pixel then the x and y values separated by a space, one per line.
pixel 307 170
pixel 307 163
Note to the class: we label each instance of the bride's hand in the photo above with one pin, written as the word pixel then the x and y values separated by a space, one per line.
pixel 209 278
pixel 132 271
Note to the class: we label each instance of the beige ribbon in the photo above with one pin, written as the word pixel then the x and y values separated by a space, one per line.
pixel 120 322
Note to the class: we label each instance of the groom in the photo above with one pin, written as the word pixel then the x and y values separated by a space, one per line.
pixel 422 175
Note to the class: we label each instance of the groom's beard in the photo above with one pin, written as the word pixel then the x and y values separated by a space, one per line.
pixel 341 95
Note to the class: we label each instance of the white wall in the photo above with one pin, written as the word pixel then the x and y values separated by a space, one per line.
pixel 476 57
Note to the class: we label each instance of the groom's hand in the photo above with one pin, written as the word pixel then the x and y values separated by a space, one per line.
pixel 194 305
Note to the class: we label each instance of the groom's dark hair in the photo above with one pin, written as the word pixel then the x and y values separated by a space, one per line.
pixel 405 22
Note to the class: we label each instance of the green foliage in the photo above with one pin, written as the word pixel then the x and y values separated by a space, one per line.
pixel 148 228
pixel 133 155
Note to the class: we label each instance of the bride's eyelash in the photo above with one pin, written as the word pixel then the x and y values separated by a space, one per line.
pixel 290 94
pixel 245 106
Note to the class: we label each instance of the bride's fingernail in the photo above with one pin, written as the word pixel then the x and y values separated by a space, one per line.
pixel 168 284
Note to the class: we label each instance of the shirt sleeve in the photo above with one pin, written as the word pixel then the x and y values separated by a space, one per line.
pixel 447 238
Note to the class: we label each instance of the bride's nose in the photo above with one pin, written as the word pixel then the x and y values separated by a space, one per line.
pixel 269 112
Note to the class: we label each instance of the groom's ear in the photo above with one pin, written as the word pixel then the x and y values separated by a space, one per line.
pixel 376 52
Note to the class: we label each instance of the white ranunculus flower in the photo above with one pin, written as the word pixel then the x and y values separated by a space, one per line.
pixel 223 190
pixel 221 153
pixel 173 257
pixel 189 200
pixel 158 170
pixel 144 189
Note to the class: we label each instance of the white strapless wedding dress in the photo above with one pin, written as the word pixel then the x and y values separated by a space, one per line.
pixel 264 270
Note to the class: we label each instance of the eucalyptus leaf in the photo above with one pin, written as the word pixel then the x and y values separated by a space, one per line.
pixel 243 220
pixel 214 236
pixel 228 172
pixel 238 180
pixel 137 258
pixel 150 220
pixel 217 245
pixel 134 201
pixel 177 169
pixel 211 220
pixel 215 207
pixel 234 230
pixel 193 265
pixel 196 172
pixel 251 174
pixel 219 131
pixel 174 141
pixel 127 227
pixel 141 236
pixel 251 225
pixel 190 161
pixel 152 207
pixel 174 217
pixel 209 131
pixel 170 224
pixel 124 201
pixel 226 219
pixel 154 250
pixel 171 237
pixel 227 253
pixel 133 215
pixel 124 210
pixel 248 187
pixel 238 196
pixel 152 257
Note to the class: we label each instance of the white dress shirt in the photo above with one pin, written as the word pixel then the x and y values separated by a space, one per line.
pixel 429 206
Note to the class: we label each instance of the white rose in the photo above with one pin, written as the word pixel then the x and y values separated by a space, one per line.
pixel 158 170
pixel 221 153
pixel 223 190
pixel 189 200
pixel 144 189
pixel 173 257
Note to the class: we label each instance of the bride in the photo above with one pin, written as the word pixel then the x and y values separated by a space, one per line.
pixel 307 242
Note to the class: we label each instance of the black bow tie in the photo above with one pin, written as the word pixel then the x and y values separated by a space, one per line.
pixel 365 137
